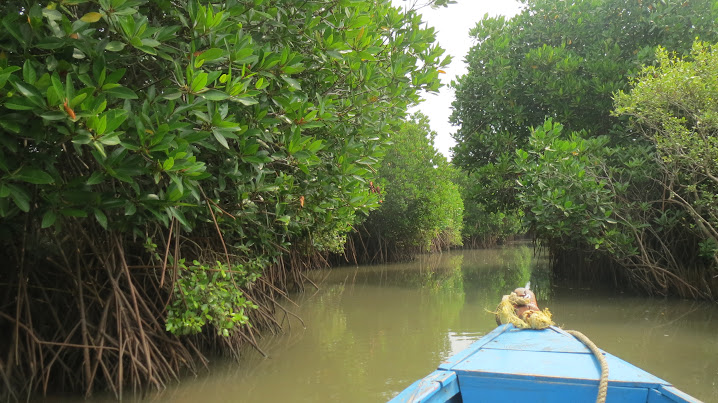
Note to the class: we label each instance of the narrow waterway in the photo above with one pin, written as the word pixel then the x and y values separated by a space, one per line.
pixel 372 330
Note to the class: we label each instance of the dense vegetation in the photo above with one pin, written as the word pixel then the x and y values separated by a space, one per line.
pixel 673 105
pixel 168 167
pixel 487 221
pixel 539 133
pixel 422 208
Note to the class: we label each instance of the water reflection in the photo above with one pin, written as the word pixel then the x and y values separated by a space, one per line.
pixel 371 331
pixel 676 340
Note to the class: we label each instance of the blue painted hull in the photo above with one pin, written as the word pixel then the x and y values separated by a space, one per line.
pixel 535 366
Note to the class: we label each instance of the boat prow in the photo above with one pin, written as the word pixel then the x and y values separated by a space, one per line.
pixel 546 365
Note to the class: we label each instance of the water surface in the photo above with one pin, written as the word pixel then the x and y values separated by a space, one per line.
pixel 372 330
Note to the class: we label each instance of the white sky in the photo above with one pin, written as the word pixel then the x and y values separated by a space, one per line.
pixel 452 26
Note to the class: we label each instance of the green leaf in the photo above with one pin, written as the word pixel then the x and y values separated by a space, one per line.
pixel 91 17
pixel 18 105
pixel 130 209
pixel 179 216
pixel 122 92
pixel 210 54
pixel 100 151
pixel 214 95
pixel 172 95
pixel 294 84
pixel 150 42
pixel 78 99
pixel 19 197
pixel 218 135
pixel 245 100
pixel 34 175
pixel 315 146
pixel 58 85
pixel 31 93
pixel 199 82
pixel 52 15
pixel 110 139
pixel 95 178
pixel 82 138
pixel 50 43
pixel 147 49
pixel 3 79
pixel 335 54
pixel 115 46
pixel 115 117
pixel 28 72
pixel 256 159
pixel 101 218
pixel 168 164
pixel 48 219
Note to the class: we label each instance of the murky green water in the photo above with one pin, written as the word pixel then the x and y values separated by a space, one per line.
pixel 371 331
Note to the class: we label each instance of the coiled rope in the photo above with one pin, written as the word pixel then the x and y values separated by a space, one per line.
pixel 506 313
pixel 530 319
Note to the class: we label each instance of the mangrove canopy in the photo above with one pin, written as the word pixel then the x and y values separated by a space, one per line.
pixel 168 167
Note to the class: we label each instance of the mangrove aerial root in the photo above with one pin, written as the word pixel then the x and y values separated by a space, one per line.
pixel 90 315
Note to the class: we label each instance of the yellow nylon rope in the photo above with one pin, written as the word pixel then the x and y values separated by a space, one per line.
pixel 603 383
pixel 506 312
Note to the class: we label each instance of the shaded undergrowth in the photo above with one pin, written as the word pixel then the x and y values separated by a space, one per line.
pixel 89 313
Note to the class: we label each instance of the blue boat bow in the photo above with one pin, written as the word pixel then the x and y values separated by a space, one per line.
pixel 548 365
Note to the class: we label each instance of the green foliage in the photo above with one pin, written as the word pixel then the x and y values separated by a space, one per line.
pixel 582 194
pixel 484 227
pixel 580 191
pixel 486 221
pixel 207 294
pixel 560 190
pixel 562 60
pixel 260 120
pixel 422 205
pixel 673 104
pixel 595 184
